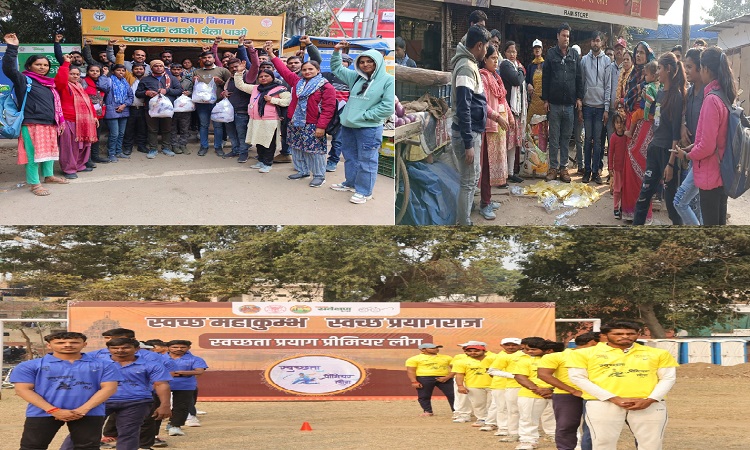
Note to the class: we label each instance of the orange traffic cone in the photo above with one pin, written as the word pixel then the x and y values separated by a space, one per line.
pixel 306 427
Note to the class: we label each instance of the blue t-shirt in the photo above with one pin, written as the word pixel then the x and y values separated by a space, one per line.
pixel 139 378
pixel 188 361
pixel 63 384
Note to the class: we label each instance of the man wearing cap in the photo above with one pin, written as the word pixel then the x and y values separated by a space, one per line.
pixel 472 379
pixel 497 414
pixel 427 371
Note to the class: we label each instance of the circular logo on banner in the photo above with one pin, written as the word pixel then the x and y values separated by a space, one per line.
pixel 300 309
pixel 315 375
pixel 249 309
pixel 99 16
pixel 265 23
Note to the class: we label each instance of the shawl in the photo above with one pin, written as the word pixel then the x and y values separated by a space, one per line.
pixel 85 116
pixel 636 80
pixel 50 83
pixel 305 88
pixel 538 60
pixel 495 85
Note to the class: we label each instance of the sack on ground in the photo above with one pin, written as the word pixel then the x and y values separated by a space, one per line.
pixel 184 104
pixel 204 92
pixel 223 112
pixel 160 107
pixel 535 164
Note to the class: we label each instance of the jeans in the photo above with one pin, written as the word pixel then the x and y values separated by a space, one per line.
pixel 135 130
pixel 592 122
pixel 714 206
pixel 687 200
pixel 568 414
pixel 128 417
pixel 469 174
pixel 237 131
pixel 560 128
pixel 656 160
pixel 116 135
pixel 361 147
pixel 334 155
pixel 85 432
pixel 204 116
pixel 424 394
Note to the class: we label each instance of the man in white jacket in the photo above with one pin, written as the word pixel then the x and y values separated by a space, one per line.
pixel 597 88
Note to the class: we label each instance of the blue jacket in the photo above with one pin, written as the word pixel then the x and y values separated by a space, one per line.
pixel 105 84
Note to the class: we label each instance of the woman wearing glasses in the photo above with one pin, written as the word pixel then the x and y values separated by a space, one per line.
pixel 371 102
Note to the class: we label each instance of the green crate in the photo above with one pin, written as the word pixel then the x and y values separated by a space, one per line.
pixel 386 166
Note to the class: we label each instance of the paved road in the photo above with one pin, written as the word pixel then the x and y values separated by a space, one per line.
pixel 187 189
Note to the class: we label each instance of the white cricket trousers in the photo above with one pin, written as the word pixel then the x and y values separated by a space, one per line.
pixel 497 414
pixel 461 405
pixel 530 412
pixel 511 403
pixel 480 399
pixel 605 421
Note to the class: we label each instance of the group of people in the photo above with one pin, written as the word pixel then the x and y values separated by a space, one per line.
pixel 133 385
pixel 286 105
pixel 646 114
pixel 606 381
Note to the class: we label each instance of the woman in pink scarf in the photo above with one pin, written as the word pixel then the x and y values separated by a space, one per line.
pixel 43 117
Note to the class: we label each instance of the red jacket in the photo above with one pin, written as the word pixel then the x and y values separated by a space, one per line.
pixel 321 104
pixel 66 96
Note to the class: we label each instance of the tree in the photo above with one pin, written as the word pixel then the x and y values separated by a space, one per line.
pixel 723 10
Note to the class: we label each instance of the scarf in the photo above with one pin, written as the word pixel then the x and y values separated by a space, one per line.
pixel 89 86
pixel 538 60
pixel 120 89
pixel 263 90
pixel 304 89
pixel 85 116
pixel 50 83
pixel 495 85
pixel 636 81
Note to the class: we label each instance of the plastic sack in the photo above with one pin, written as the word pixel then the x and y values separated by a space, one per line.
pixel 204 92
pixel 223 112
pixel 535 164
pixel 160 106
pixel 184 104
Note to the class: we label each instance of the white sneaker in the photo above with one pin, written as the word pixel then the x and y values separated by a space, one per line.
pixel 258 165
pixel 501 433
pixel 527 446
pixel 461 420
pixel 176 431
pixel 264 169
pixel 478 423
pixel 359 198
pixel 199 412
pixel 341 187
pixel 488 428
pixel 192 421
pixel 509 438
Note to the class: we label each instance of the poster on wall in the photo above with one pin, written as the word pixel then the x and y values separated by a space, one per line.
pixel 315 350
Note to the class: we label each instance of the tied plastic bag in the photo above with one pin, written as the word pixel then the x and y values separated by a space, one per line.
pixel 184 104
pixel 204 92
pixel 535 165
pixel 223 112
pixel 160 106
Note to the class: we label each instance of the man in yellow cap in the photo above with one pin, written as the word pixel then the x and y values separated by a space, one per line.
pixel 427 371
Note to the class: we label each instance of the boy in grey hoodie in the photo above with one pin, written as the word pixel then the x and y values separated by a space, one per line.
pixel 597 88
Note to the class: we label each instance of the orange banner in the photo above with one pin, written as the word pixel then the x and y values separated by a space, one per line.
pixel 299 351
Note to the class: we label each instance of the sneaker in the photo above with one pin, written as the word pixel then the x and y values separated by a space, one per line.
pixel 359 198
pixel 487 212
pixel 501 433
pixel 317 182
pixel 509 438
pixel 185 150
pixel 282 158
pixel 219 152
pixel 551 175
pixel 488 428
pixel 341 187
pixel 168 152
pixel 203 151
pixel 243 158
pixel 159 443
pixel 231 155
pixel 298 176
pixel 112 159
pixel 478 423
pixel 495 206
pixel 122 156
pixel 198 412
pixel 331 166
pixel 151 154
pixel 461 420
pixel 265 169
pixel 526 446
pixel 586 177
pixel 258 165
pixel 192 421
pixel 618 214
pixel 564 175
pixel 515 179
pixel 597 179
pixel 176 431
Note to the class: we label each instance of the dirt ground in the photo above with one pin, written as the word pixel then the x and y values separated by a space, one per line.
pixel 707 409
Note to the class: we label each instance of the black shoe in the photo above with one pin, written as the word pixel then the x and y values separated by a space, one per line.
pixel 128 153
pixel 243 158
pixel 597 179
pixel 90 164
pixel 580 171
pixel 618 214
pixel 219 152
pixel 70 176
pixel 142 150
pixel 88 169
pixel 203 151
pixel 298 176
pixel 503 186
pixel 586 177
pixel 99 160
pixel 515 179
pixel 231 155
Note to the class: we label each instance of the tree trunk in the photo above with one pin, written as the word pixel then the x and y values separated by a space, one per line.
pixel 652 322
pixel 29 347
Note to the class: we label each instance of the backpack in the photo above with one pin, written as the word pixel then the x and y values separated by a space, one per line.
pixel 335 124
pixel 11 117
pixel 735 166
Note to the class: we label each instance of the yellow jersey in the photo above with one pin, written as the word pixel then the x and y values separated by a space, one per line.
pixel 557 361
pixel 475 371
pixel 632 374
pixel 514 359
pixel 430 365
pixel 528 366
pixel 501 362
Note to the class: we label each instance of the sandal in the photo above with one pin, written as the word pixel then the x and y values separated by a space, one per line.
pixel 38 189
pixel 56 180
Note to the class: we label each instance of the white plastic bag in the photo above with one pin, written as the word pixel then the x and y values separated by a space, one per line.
pixel 223 112
pixel 160 106
pixel 204 92
pixel 184 104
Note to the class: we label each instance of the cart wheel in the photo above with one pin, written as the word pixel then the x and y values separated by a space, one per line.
pixel 402 175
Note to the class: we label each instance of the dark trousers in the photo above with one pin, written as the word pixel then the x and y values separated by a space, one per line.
pixel 38 432
pixel 180 128
pixel 656 160
pixel 568 412
pixel 424 394
pixel 156 126
pixel 150 426
pixel 265 154
pixel 284 145
pixel 181 403
pixel 95 146
pixel 110 429
pixel 714 206
pixel 670 190
pixel 127 418
pixel 135 130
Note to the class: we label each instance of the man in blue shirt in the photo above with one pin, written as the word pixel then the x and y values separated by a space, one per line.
pixel 64 386
pixel 184 385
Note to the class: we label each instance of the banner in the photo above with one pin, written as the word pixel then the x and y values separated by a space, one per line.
pixel 179 29
pixel 316 350
pixel 632 13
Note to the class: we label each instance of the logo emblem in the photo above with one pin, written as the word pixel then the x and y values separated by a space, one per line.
pixel 99 16
pixel 266 23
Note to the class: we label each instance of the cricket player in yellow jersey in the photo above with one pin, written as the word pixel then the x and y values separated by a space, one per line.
pixel 461 403
pixel 497 414
pixel 472 379
pixel 624 381
pixel 567 398
pixel 427 371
